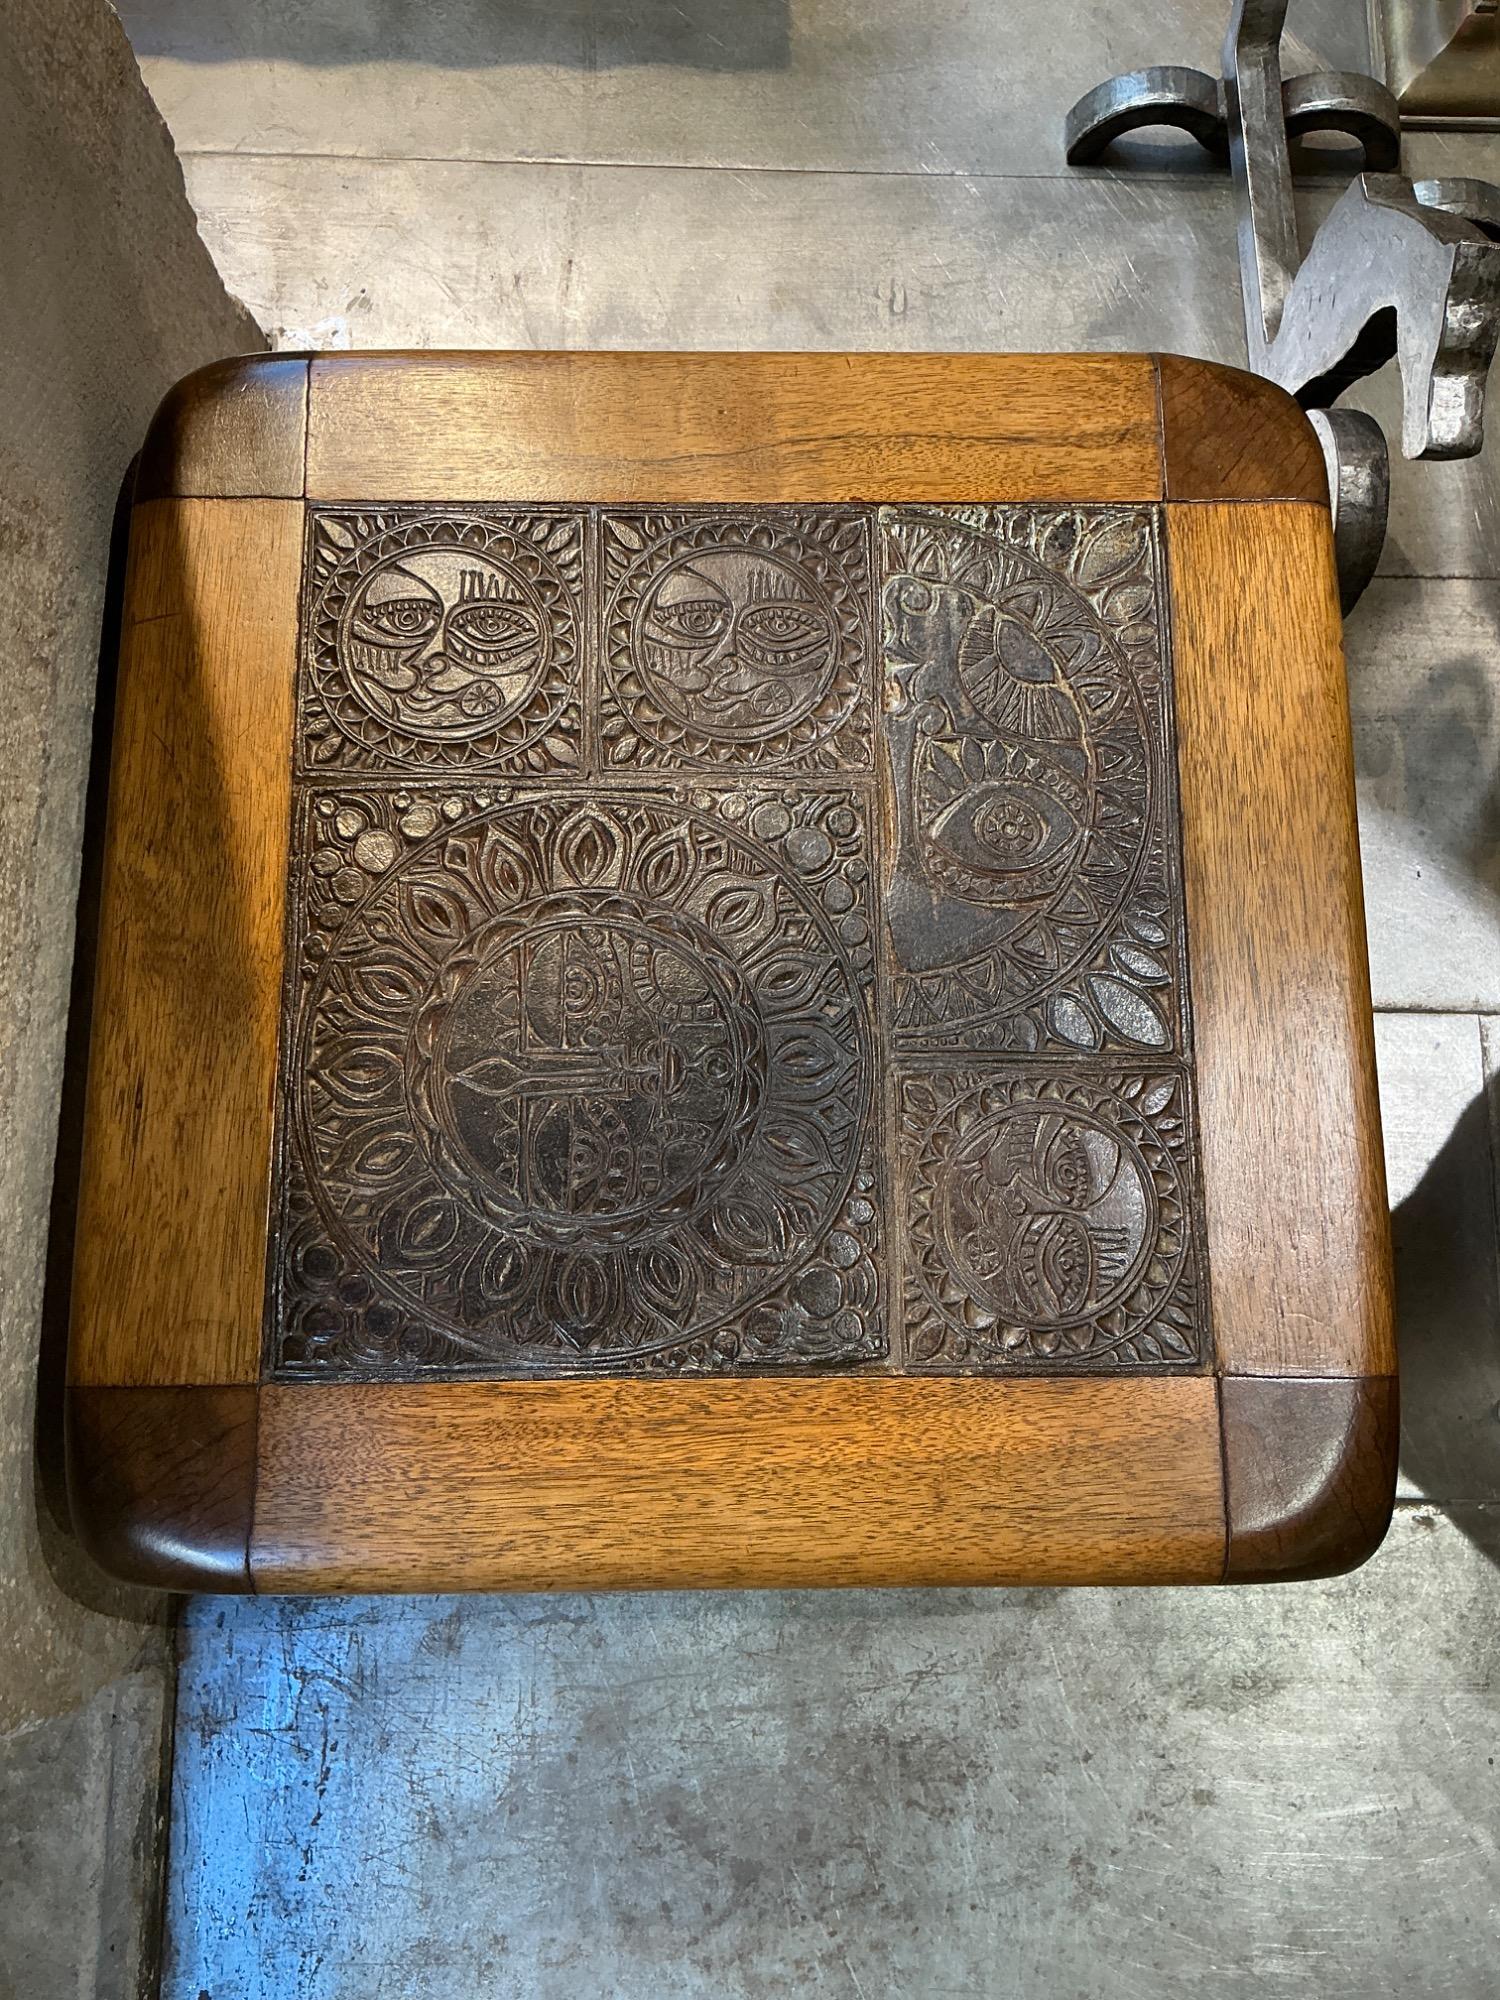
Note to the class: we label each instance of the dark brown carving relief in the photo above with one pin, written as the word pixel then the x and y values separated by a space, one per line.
pixel 437 639
pixel 1032 897
pixel 674 987
pixel 581 1081
pixel 736 641
pixel 1049 1217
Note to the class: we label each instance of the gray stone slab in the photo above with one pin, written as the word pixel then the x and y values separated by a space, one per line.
pixel 898 89
pixel 1424 689
pixel 424 254
pixel 82 1828
pixel 333 253
pixel 1079 1796
pixel 900 86
pixel 1438 1149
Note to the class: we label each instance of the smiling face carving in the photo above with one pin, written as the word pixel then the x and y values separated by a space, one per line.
pixel 736 641
pixel 444 642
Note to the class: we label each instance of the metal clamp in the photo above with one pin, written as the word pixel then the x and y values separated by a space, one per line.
pixel 1398 269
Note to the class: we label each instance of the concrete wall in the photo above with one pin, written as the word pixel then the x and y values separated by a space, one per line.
pixel 107 297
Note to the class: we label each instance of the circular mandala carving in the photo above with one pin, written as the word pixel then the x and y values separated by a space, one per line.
pixel 444 639
pixel 1029 889
pixel 586 1076
pixel 733 640
pixel 588 1066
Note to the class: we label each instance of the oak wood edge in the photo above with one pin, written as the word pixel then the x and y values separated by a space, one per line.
pixel 1230 435
pixel 650 426
pixel 161 1483
pixel 232 430
pixel 752 1483
pixel 1254 591
pixel 133 1320
pixel 1310 1473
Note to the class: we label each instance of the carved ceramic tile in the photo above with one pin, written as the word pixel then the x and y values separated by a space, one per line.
pixel 438 638
pixel 736 640
pixel 1032 890
pixel 579 1082
pixel 1051 1218
pixel 734 939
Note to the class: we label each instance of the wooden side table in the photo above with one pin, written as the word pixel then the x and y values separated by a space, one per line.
pixel 730 969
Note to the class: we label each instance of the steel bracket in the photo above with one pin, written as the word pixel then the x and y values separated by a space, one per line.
pixel 1398 269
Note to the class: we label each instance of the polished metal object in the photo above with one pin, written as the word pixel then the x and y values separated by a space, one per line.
pixel 1388 276
pixel 1359 493
pixel 1186 98
pixel 1398 269
pixel 1191 100
pixel 1441 58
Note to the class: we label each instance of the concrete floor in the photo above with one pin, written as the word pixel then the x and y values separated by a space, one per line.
pixel 1285 1792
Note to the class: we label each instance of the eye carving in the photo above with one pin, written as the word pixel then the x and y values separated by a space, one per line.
pixel 783 628
pixel 698 622
pixel 1056 1264
pixel 1063 1170
pixel 1000 827
pixel 400 621
pixel 494 626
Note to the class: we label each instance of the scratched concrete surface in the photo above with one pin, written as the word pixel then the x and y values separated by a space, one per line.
pixel 1279 1793
pixel 1077 1795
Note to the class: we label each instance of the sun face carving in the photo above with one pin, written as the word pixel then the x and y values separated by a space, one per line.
pixel 1047 1213
pixel 737 641
pixel 1051 1217
pixel 443 641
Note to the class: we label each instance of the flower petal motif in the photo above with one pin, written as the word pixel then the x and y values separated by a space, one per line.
pixel 1133 1015
pixel 588 850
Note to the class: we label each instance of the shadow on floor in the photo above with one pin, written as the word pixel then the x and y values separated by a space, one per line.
pixel 469 34
pixel 1448 1327
pixel 70 1570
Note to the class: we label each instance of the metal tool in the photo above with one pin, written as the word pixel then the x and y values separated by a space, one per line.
pixel 1398 269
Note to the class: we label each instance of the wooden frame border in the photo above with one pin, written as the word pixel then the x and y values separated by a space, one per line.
pixel 169 1269
pixel 187 1472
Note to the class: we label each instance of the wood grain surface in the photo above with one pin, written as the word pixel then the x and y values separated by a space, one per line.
pixel 234 430
pixel 1227 435
pixel 621 1485
pixel 858 1479
pixel 1311 1473
pixel 1294 1184
pixel 170 1265
pixel 161 1481
pixel 683 427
